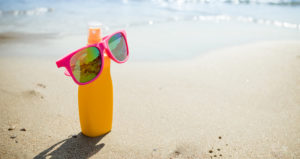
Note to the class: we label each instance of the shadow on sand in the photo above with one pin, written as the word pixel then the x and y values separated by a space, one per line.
pixel 78 146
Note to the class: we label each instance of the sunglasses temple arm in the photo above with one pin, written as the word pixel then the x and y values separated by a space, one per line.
pixel 67 73
pixel 59 64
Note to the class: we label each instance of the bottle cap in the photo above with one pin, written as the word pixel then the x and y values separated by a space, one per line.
pixel 94 35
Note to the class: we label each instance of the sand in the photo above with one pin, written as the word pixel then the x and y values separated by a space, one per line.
pixel 237 102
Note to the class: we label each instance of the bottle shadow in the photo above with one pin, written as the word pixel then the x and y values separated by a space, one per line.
pixel 77 146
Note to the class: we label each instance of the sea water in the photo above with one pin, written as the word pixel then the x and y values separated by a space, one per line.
pixel 157 29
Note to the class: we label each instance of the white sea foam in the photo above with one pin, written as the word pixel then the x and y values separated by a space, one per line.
pixel 36 11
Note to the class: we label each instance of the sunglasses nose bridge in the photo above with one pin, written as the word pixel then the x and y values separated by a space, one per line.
pixel 103 46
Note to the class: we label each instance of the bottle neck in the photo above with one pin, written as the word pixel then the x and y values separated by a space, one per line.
pixel 95 37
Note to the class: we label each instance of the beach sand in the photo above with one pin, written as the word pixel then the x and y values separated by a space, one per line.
pixel 237 102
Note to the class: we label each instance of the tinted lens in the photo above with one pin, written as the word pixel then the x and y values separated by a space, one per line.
pixel 86 64
pixel 117 46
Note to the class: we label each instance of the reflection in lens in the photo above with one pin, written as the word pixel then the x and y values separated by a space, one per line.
pixel 117 46
pixel 86 64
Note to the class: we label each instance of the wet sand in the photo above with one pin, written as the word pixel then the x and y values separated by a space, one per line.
pixel 237 102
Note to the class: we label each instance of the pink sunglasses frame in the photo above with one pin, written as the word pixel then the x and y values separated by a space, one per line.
pixel 101 46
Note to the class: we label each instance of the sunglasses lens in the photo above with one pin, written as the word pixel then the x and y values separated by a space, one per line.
pixel 117 46
pixel 86 64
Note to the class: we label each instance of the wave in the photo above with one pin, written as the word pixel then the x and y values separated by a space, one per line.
pixel 221 18
pixel 36 11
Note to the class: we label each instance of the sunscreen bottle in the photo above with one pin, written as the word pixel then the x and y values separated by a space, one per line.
pixel 95 100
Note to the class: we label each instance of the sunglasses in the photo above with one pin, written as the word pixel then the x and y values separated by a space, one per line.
pixel 86 64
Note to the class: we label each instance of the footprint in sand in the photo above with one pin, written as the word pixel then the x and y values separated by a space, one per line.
pixel 32 93
pixel 175 154
pixel 41 85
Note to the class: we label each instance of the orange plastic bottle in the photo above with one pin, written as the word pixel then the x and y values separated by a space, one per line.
pixel 95 100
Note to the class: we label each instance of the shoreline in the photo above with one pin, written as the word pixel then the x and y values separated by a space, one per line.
pixel 180 41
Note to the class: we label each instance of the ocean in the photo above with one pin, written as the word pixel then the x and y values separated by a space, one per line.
pixel 157 29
